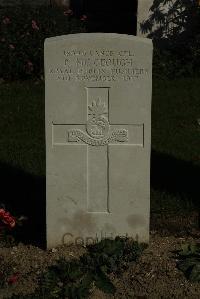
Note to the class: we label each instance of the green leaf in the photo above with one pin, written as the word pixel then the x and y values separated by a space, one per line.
pixel 188 263
pixel 76 291
pixel 194 248
pixel 87 280
pixel 195 273
pixel 189 249
pixel 185 249
pixel 104 283
pixel 82 292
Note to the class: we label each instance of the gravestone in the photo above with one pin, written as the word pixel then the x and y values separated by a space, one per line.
pixel 98 123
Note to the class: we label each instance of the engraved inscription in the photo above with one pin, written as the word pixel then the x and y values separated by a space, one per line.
pixel 100 65
pixel 76 135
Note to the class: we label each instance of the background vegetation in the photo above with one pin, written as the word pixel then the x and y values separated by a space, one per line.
pixel 174 27
pixel 23 30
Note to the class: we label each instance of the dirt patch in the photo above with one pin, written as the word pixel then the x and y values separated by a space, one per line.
pixel 154 275
pixel 29 262
pixel 176 224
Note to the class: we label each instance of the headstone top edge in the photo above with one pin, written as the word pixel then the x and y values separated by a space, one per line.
pixel 97 35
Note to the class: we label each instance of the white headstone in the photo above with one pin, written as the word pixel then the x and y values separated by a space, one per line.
pixel 98 123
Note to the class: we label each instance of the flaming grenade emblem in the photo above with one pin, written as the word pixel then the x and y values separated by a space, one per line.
pixel 97 124
pixel 98 130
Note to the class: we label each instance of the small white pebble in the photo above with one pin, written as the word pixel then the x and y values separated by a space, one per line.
pixel 54 250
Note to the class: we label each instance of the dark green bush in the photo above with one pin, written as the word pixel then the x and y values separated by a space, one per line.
pixel 74 279
pixel 22 33
pixel 189 261
pixel 176 35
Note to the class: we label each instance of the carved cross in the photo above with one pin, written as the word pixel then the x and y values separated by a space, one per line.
pixel 99 135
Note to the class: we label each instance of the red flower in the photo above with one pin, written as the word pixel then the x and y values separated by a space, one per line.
pixel 29 63
pixel 29 66
pixel 13 279
pixel 34 25
pixel 68 12
pixel 83 18
pixel 6 218
pixel 6 20
pixel 11 46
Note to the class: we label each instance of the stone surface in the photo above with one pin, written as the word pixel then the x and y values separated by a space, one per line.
pixel 143 13
pixel 98 123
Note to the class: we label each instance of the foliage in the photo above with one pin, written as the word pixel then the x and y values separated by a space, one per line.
pixel 22 33
pixel 174 27
pixel 189 261
pixel 112 255
pixel 8 224
pixel 74 279
pixel 169 18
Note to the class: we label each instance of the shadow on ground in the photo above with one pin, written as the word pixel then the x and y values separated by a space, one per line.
pixel 175 177
pixel 179 181
pixel 24 194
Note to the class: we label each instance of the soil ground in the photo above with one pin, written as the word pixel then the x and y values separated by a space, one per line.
pixel 153 276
